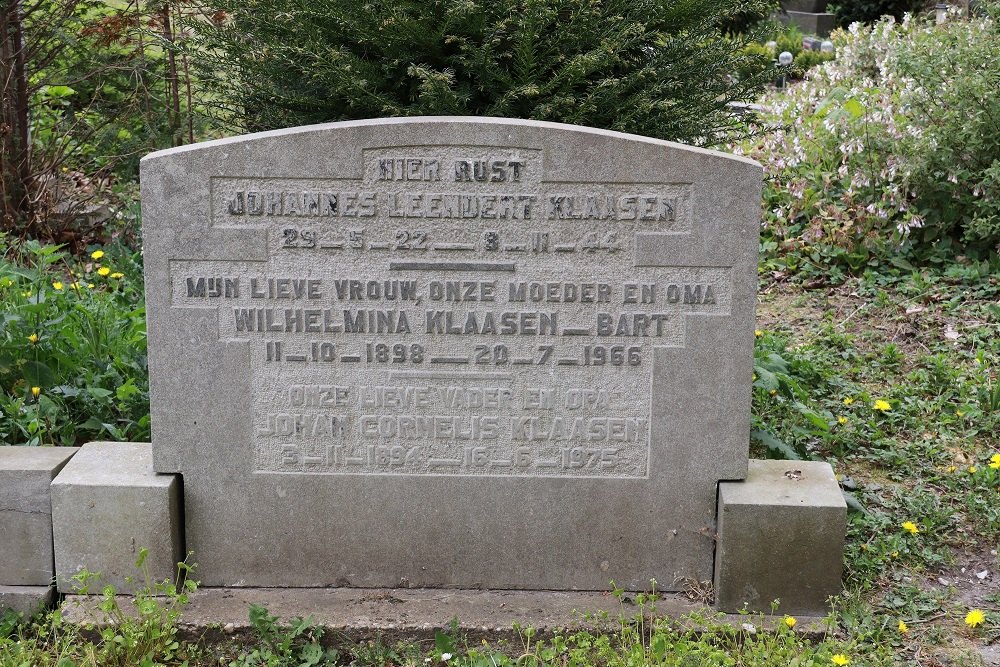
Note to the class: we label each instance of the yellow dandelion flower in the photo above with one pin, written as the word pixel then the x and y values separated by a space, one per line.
pixel 117 275
pixel 902 627
pixel 33 338
pixel 910 527
pixel 848 400
pixel 90 285
pixel 952 468
pixel 36 391
pixel 97 254
pixel 882 406
pixel 841 420
pixel 895 554
pixel 74 285
pixel 972 619
pixel 972 470
pixel 995 461
pixel 790 621
pixel 840 659
pixel 959 413
pixel 757 333
pixel 57 285
pixel 103 271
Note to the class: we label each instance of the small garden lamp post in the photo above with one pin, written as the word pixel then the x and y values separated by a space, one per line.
pixel 784 59
pixel 940 12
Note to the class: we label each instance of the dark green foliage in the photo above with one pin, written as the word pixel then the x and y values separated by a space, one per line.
pixel 744 21
pixel 661 69
pixel 866 11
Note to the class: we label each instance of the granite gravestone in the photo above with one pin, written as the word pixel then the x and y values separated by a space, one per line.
pixel 450 352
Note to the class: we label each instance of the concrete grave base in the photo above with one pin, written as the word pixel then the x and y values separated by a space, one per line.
pixel 417 613
pixel 781 537
pixel 26 513
pixel 26 599
pixel 808 6
pixel 107 505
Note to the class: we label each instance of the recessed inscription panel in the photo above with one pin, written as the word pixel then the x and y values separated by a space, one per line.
pixel 454 372
pixel 451 313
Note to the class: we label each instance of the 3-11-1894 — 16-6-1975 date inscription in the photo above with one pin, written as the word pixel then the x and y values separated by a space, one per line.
pixel 451 313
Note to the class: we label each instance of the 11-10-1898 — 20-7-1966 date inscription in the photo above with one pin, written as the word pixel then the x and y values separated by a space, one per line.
pixel 451 313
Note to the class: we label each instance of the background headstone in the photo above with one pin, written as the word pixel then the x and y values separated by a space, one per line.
pixel 450 352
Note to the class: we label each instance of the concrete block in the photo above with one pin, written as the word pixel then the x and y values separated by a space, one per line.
pixel 816 23
pixel 26 513
pixel 107 504
pixel 26 600
pixel 780 537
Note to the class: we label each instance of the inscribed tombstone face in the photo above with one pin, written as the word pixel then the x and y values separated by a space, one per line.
pixel 450 351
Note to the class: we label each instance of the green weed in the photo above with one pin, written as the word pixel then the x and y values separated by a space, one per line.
pixel 72 346
pixel 142 633
pixel 296 644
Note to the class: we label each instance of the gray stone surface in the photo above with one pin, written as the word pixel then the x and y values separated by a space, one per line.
pixel 26 513
pixel 426 424
pixel 781 537
pixel 821 24
pixel 107 504
pixel 26 600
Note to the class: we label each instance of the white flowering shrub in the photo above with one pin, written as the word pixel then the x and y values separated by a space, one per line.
pixel 894 146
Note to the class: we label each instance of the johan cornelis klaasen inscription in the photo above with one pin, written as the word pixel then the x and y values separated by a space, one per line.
pixel 458 335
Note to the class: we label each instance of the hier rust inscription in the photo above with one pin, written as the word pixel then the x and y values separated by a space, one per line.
pixel 451 313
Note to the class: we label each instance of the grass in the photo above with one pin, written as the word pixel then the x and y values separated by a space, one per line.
pixel 928 344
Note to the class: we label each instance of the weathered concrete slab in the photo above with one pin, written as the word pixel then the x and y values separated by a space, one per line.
pixel 107 505
pixel 26 600
pixel 416 614
pixel 781 537
pixel 815 23
pixel 806 6
pixel 26 513
pixel 454 352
